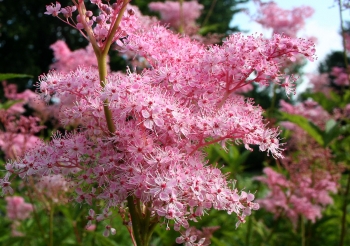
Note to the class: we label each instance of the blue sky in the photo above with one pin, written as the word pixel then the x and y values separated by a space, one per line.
pixel 324 25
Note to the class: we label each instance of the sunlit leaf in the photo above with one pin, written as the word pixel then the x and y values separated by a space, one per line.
pixel 5 76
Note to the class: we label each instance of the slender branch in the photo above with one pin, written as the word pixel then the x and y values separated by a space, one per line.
pixel 209 12
pixel 82 12
pixel 343 34
pixel 114 28
pixel 36 218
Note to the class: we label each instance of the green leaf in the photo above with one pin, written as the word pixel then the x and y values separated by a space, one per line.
pixel 5 76
pixel 306 125
pixel 208 28
pixel 332 132
pixel 216 241
pixel 9 104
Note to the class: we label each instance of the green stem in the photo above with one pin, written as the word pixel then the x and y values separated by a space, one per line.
pixel 151 229
pixel 135 221
pixel 102 70
pixel 280 213
pixel 273 101
pixel 146 225
pixel 101 56
pixel 209 12
pixel 343 220
pixel 36 218
pixel 302 227
pixel 247 238
pixel 113 30
pixel 51 223
pixel 82 11
pixel 181 27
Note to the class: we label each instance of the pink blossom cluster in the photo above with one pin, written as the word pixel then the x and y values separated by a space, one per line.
pixel 163 117
pixel 26 97
pixel 303 183
pixel 282 21
pixel 286 22
pixel 193 236
pixel 324 82
pixel 54 187
pixel 178 14
pixel 18 133
pixel 301 194
pixel 347 41
pixel 341 76
pixel 97 28
pixel 309 109
pixel 17 208
pixel 320 83
pixel 67 60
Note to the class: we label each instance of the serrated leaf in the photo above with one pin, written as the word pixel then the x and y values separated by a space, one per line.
pixel 306 125
pixel 5 76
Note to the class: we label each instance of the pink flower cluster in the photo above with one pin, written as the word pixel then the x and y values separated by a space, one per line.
pixel 163 117
pixel 18 131
pixel 341 76
pixel 307 176
pixel 67 60
pixel 177 15
pixel 303 194
pixel 98 26
pixel 282 21
pixel 320 83
pixel 309 109
pixel 54 187
pixel 17 208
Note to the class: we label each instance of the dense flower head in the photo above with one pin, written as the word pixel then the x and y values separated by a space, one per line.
pixel 163 118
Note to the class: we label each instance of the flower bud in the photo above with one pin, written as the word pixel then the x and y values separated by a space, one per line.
pixel 131 12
